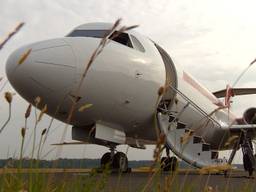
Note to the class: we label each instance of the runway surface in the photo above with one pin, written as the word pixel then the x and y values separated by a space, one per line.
pixel 181 182
pixel 140 179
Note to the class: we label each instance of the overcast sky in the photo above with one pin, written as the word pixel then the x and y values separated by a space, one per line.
pixel 213 40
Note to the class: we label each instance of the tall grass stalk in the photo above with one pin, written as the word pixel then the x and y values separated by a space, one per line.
pixel 8 98
pixel 23 133
pixel 34 135
pixel 40 143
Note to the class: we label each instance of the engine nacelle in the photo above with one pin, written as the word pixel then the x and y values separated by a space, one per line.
pixel 249 116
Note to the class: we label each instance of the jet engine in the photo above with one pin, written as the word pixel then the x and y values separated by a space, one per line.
pixel 249 116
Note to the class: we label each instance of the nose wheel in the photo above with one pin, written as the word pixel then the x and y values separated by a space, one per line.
pixel 106 161
pixel 120 162
pixel 115 161
pixel 169 163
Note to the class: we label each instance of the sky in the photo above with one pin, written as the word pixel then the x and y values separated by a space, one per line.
pixel 213 40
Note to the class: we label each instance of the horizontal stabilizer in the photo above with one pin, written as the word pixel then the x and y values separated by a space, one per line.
pixel 236 91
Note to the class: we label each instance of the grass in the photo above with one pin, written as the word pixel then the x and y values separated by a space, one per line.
pixel 34 180
pixel 40 182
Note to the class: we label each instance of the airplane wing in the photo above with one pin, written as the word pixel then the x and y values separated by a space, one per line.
pixel 135 143
pixel 71 143
pixel 236 91
pixel 238 128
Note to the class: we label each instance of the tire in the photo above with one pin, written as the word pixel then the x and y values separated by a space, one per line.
pixel 163 163
pixel 106 161
pixel 248 164
pixel 173 163
pixel 169 164
pixel 120 162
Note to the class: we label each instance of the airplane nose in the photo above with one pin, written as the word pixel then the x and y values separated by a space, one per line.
pixel 42 68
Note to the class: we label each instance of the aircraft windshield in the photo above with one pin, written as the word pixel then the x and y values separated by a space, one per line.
pixel 122 38
pixel 88 33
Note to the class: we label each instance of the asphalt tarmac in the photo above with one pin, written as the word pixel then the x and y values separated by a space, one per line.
pixel 141 181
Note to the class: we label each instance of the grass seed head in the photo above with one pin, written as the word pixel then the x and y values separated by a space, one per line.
pixel 18 27
pixel 116 24
pixel 43 132
pixel 84 107
pixel 253 62
pixel 23 132
pixel 37 100
pixel 43 111
pixel 28 111
pixel 8 97
pixel 11 34
pixel 161 90
pixel 131 27
pixel 24 56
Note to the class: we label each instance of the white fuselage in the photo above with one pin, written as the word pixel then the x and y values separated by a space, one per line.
pixel 122 85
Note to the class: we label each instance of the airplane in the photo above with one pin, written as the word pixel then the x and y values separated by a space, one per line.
pixel 136 93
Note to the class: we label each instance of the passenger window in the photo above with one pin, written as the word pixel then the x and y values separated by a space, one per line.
pixel 122 38
pixel 137 45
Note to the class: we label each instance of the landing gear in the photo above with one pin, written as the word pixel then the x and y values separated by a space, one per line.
pixel 248 164
pixel 106 161
pixel 169 163
pixel 114 161
pixel 120 162
pixel 249 160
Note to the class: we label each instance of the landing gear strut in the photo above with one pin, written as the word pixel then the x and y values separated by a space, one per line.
pixel 169 163
pixel 249 160
pixel 116 161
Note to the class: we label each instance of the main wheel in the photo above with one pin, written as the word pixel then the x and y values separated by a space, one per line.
pixel 164 163
pixel 174 163
pixel 169 163
pixel 248 164
pixel 106 161
pixel 120 162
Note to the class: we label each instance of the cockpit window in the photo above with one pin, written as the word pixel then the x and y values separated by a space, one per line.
pixel 137 45
pixel 122 38
pixel 88 33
